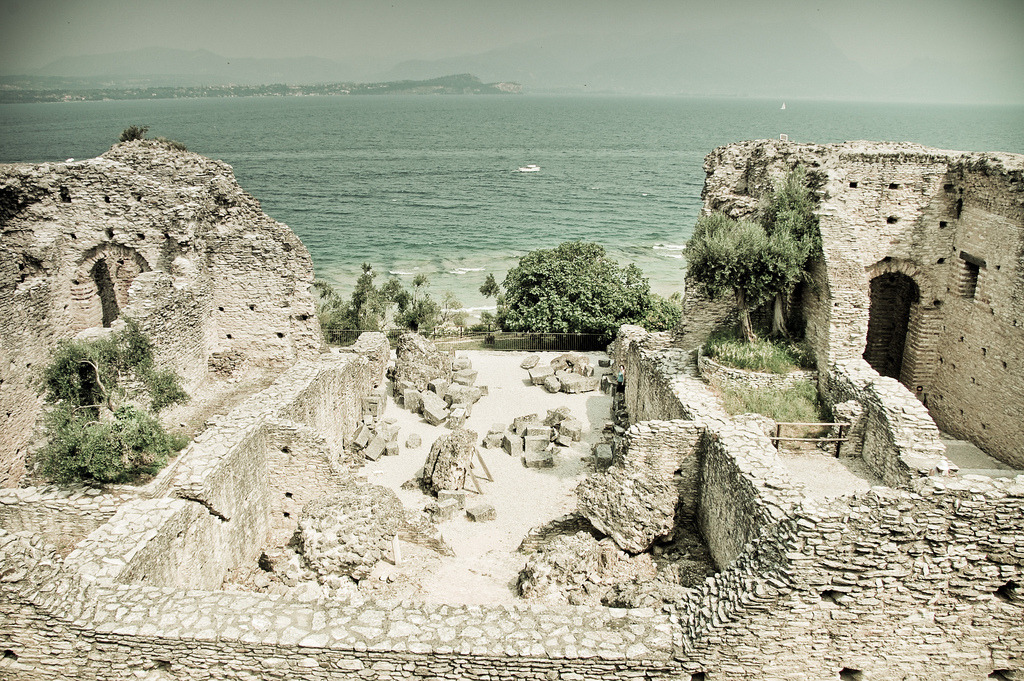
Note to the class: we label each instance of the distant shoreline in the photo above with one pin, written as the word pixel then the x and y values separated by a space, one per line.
pixel 461 84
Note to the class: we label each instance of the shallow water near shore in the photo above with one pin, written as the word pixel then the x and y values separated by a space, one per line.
pixel 431 184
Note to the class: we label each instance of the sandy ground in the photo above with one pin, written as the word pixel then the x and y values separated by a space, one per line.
pixel 824 476
pixel 486 565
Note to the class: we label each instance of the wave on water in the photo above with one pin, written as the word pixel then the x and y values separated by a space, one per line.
pixel 465 270
pixel 669 247
pixel 400 273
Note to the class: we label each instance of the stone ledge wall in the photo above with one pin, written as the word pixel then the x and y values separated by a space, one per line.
pixel 710 369
pixel 909 584
pixel 65 515
pixel 897 437
pixel 85 630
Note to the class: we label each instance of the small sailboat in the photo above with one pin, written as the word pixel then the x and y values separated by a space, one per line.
pixel 783 107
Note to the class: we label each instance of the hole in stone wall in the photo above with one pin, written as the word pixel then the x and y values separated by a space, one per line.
pixel 984 352
pixel 140 235
pixel 969 279
pixel 1010 591
pixel 280 335
pixel 894 185
pixel 73 235
pixel 65 195
pixel 264 563
pixel 287 514
pixel 1004 365
pixel 943 224
pixel 303 317
pixel 831 595
pixel 229 335
pixel 892 295
pixel 853 185
pixel 698 676
pixel 162 664
pixel 105 288
pixel 137 196
pixel 252 307
pixel 947 187
pixel 892 220
pixel 106 199
pixel 848 674
pixel 959 208
pixel 1001 674
pixel 288 494
pixel 10 655
pixel 286 449
pixel 110 233
pixel 220 309
pixel 940 261
pixel 936 302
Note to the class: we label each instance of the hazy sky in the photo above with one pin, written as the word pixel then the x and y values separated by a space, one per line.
pixel 968 41
pixel 872 32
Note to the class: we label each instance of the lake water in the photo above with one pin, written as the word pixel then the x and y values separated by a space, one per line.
pixel 428 185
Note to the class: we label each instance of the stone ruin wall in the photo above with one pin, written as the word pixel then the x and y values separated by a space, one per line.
pixel 920 581
pixel 164 237
pixel 953 223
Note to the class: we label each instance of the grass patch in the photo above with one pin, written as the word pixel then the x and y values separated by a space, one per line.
pixel 776 357
pixel 799 404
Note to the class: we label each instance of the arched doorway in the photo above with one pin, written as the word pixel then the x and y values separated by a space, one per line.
pixel 892 296
pixel 105 290
pixel 99 287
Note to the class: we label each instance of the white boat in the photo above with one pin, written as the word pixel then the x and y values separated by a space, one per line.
pixel 783 106
pixel 531 168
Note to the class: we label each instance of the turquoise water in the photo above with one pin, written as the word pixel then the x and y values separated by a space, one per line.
pixel 429 184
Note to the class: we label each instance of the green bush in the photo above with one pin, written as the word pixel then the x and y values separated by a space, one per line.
pixel 93 431
pixel 171 144
pixel 776 357
pixel 134 132
pixel 129 444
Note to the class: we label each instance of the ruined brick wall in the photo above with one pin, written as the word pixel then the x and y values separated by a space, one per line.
pixel 941 235
pixel 164 237
pixel 65 515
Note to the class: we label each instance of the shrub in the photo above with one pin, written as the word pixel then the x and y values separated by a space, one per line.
pixel 129 444
pixel 171 144
pixel 93 431
pixel 134 132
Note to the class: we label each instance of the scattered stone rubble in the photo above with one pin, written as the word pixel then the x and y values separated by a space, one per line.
pixel 347 533
pixel 537 442
pixel 448 463
pixel 568 373
pixel 432 383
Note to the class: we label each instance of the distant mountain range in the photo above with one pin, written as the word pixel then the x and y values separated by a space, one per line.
pixel 790 62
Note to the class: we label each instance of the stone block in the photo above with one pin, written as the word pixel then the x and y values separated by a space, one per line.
pixel 520 423
pixel 389 431
pixel 536 443
pixel 538 431
pixel 572 428
pixel 498 428
pixel 529 362
pixel 484 392
pixel 539 373
pixel 461 363
pixel 391 449
pixel 512 444
pixel 458 495
pixel 465 377
pixel 402 386
pixel 413 441
pixel 413 401
pixel 544 459
pixel 375 449
pixel 556 416
pixel 362 436
pixel 457 394
pixel 574 383
pixel 604 363
pixel 481 512
pixel 438 385
pixel 456 418
pixel 373 405
pixel 563 440
pixel 493 440
pixel 602 454
pixel 434 409
pixel 552 384
pixel 448 509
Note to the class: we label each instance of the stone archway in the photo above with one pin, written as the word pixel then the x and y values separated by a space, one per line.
pixel 99 287
pixel 893 294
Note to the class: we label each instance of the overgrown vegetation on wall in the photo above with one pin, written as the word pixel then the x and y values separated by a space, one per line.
pixel 103 395
pixel 761 260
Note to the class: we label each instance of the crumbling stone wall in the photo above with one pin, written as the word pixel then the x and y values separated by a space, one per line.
pixel 67 515
pixel 165 237
pixel 950 226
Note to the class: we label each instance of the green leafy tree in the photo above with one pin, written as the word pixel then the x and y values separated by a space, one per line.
pixel 791 208
pixel 574 288
pixel 95 429
pixel 739 256
pixel 490 288
pixel 366 310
